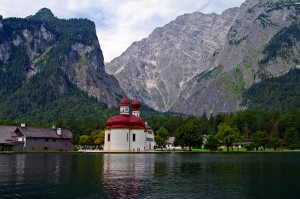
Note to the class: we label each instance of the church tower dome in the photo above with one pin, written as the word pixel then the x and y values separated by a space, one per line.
pixel 124 106
pixel 136 108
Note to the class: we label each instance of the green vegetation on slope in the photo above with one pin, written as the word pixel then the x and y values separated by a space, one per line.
pixel 283 44
pixel 277 93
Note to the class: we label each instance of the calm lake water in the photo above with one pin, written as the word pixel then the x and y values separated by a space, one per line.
pixel 75 175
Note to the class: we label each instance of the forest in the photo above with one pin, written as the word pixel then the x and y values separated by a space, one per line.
pixel 276 93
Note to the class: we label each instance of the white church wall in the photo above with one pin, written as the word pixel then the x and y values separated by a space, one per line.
pixel 139 143
pixel 106 142
pixel 119 140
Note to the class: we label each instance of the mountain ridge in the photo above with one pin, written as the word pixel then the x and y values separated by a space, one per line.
pixel 231 49
pixel 163 45
pixel 43 60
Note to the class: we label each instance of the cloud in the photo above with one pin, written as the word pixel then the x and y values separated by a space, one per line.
pixel 118 22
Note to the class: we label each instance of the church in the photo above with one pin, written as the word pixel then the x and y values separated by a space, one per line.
pixel 126 132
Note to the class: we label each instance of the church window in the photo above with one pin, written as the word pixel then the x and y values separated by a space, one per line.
pixel 108 137
pixel 133 137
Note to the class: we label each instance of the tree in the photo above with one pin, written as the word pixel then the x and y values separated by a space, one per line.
pixel 188 135
pixel 161 137
pixel 228 135
pixel 212 143
pixel 84 140
pixel 260 139
pixel 291 138
pixel 98 137
pixel 275 142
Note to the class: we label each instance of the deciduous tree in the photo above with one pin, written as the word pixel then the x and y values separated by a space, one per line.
pixel 161 137
pixel 260 139
pixel 212 143
pixel 188 135
pixel 228 135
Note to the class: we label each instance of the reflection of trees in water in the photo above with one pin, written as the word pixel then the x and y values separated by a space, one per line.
pixel 125 175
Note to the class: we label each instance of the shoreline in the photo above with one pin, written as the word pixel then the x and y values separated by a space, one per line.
pixel 147 152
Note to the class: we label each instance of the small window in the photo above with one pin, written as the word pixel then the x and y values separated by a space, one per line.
pixel 47 140
pixel 133 137
pixel 54 140
pixel 108 137
pixel 46 148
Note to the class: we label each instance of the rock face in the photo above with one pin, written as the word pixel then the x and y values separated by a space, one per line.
pixel 158 68
pixel 202 63
pixel 42 42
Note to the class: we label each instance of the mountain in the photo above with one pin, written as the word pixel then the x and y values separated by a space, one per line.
pixel 205 62
pixel 276 93
pixel 51 68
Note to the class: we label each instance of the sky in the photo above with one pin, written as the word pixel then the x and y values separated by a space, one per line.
pixel 119 23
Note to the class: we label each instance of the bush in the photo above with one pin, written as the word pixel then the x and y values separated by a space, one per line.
pixel 212 143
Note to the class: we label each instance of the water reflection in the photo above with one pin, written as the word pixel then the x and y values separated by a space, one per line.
pixel 57 169
pixel 25 174
pixel 20 163
pixel 125 174
pixel 149 176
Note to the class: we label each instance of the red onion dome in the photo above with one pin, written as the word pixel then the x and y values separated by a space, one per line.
pixel 124 101
pixel 136 105
pixel 120 121
pixel 136 122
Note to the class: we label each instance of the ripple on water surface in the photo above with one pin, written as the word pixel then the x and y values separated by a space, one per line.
pixel 257 175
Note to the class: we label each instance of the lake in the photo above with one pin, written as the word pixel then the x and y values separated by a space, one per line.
pixel 174 175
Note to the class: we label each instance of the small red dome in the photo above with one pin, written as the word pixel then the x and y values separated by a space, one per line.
pixel 136 122
pixel 124 101
pixel 136 105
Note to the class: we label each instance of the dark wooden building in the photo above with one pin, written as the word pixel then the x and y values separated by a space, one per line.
pixel 8 138
pixel 30 139
pixel 41 139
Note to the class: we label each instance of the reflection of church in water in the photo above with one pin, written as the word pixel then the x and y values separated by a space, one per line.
pixel 128 133
pixel 127 175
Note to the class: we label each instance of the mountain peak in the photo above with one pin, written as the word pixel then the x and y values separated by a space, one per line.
pixel 44 13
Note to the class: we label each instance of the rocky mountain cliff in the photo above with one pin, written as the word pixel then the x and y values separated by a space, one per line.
pixel 41 44
pixel 203 63
pixel 52 69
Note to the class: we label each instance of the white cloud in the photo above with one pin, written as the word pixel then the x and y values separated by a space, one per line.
pixel 118 22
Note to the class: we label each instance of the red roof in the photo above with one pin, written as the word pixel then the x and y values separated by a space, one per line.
pixel 136 122
pixel 136 105
pixel 125 121
pixel 124 101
